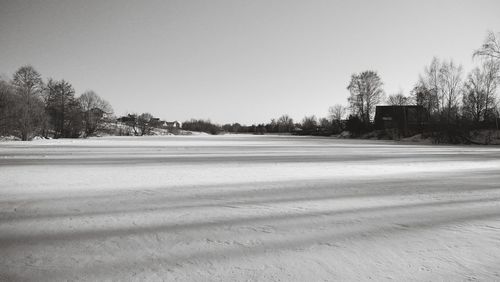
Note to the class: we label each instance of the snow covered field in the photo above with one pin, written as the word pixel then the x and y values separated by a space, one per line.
pixel 248 208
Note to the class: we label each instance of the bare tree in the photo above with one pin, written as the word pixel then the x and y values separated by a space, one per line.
pixel 28 84
pixel 335 115
pixel 479 99
pixel 143 122
pixel 309 123
pixel 9 103
pixel 366 92
pixel 336 112
pixel 490 48
pixel 326 125
pixel 272 126
pixel 426 92
pixel 474 98
pixel 132 122
pixel 63 109
pixel 491 70
pixel 94 109
pixel 285 124
pixel 398 99
pixel 140 124
pixel 450 80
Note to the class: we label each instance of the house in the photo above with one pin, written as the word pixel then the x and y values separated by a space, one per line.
pixel 97 113
pixel 408 119
pixel 172 125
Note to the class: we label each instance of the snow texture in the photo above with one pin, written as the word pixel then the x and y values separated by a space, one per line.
pixel 239 208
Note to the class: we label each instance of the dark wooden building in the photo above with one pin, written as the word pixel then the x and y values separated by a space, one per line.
pixel 408 120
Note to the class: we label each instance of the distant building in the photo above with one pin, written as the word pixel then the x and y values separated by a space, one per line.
pixel 172 125
pixel 97 113
pixel 408 120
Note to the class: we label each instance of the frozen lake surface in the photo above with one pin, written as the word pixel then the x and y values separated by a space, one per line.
pixel 271 208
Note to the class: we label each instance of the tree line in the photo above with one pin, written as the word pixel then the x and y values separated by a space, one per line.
pixel 32 107
pixel 454 104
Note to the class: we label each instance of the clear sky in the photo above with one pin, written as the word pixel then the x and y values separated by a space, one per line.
pixel 232 60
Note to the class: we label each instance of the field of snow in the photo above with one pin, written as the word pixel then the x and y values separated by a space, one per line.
pixel 266 208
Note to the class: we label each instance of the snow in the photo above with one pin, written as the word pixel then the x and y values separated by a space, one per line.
pixel 242 207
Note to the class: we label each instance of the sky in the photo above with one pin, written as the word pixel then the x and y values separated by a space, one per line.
pixel 233 60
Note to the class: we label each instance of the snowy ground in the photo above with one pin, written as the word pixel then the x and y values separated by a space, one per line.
pixel 248 208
